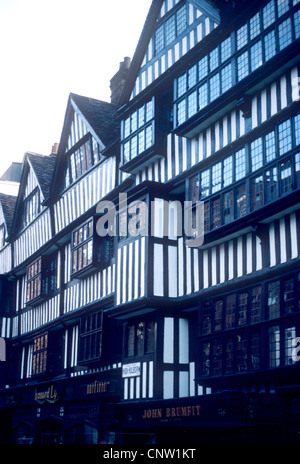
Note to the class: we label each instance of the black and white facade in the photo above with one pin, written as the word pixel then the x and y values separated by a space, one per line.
pixel 140 335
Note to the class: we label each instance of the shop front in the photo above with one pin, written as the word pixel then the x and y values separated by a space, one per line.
pixel 227 417
pixel 66 411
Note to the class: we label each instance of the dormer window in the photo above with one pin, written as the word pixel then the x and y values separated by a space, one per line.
pixel 32 207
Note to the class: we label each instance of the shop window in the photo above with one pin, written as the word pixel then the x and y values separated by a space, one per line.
pixel 141 338
pixel 39 354
pixel 91 336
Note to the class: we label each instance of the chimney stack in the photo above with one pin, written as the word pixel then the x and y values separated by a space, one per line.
pixel 54 149
pixel 117 83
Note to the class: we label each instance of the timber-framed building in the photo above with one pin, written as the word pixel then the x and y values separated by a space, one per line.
pixel 138 337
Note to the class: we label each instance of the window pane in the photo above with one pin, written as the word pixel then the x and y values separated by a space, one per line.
pixel 203 96
pixel 192 104
pixel 226 49
pixel 140 338
pixel 241 352
pixel 285 34
pixel 270 147
pixel 230 311
pixel 159 39
pixel 227 171
pixel 216 177
pixel 181 85
pixel 271 177
pixel 256 56
pixel 203 68
pixel 181 112
pixel 216 213
pixel 207 317
pixel 214 59
pixel 192 77
pixel 285 177
pixel 242 36
pixel 170 30
pixel 243 66
pixel 254 26
pixel 255 351
pixel 206 359
pixel 228 207
pixel 297 128
pixel 226 78
pixel 288 296
pixel 218 314
pixel 270 45
pixel 214 84
pixel 181 20
pixel 217 355
pixel 257 186
pixel 274 300
pixel 241 200
pixel 283 6
pixel 150 341
pixel 240 164
pixel 242 308
pixel 274 346
pixel 285 137
pixel 205 184
pixel 289 345
pixel 268 14
pixel 229 366
pixel 131 340
pixel 255 310
pixel 256 154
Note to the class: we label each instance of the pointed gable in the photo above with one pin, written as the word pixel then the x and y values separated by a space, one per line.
pixel 7 208
pixel 172 29
pixel 89 129
pixel 34 188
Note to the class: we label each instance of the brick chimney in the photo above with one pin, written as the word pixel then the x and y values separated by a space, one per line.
pixel 118 81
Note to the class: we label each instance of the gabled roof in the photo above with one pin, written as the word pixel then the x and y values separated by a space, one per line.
pixel 43 167
pixel 8 203
pixel 215 9
pixel 99 115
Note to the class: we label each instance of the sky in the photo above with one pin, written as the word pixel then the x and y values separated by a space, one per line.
pixel 50 48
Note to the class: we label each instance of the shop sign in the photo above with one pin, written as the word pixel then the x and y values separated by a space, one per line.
pixel 50 395
pixel 97 387
pixel 171 413
pixel 131 370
